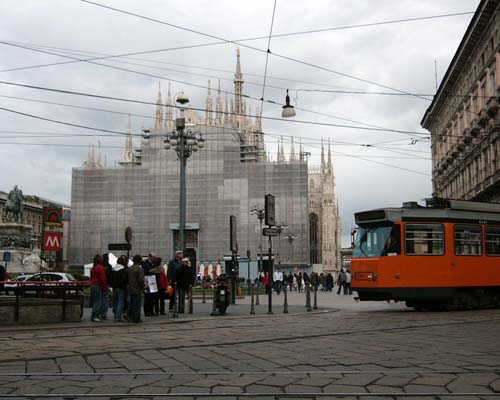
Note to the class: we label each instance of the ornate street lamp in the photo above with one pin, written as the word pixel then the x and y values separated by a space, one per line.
pixel 259 211
pixel 184 142
pixel 288 110
pixel 290 239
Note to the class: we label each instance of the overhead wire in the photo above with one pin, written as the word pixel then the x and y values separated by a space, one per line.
pixel 206 87
pixel 201 109
pixel 250 47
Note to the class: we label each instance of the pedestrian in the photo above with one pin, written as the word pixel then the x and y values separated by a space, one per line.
pixel 3 276
pixel 98 287
pixel 307 279
pixel 290 280
pixel 162 288
pixel 299 282
pixel 266 281
pixel 185 279
pixel 151 293
pixel 314 281
pixel 278 280
pixel 341 280
pixel 173 266
pixel 120 284
pixel 347 287
pixel 135 288
pixel 329 282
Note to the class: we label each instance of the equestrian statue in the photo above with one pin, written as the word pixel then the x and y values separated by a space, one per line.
pixel 14 205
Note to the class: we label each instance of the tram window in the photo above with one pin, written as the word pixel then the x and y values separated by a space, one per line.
pixel 468 240
pixel 492 240
pixel 424 239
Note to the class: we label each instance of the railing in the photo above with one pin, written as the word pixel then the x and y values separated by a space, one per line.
pixel 46 290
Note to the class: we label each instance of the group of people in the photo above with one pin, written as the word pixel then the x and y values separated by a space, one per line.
pixel 298 282
pixel 128 285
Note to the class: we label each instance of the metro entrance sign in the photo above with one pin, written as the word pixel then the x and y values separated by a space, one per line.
pixel 52 241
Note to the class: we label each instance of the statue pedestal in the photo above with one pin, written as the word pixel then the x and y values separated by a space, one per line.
pixel 16 239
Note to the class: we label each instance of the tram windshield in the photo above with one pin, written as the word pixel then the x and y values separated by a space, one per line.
pixel 377 241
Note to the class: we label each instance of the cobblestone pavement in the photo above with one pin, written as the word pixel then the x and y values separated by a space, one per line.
pixel 344 349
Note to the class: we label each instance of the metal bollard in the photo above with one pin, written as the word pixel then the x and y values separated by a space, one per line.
pixel 252 305
pixel 270 300
pixel 257 302
pixel 285 304
pixel 190 299
pixel 176 293
pixel 214 301
pixel 308 297
pixel 203 293
pixel 315 307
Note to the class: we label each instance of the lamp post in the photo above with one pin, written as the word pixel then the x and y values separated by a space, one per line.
pixel 184 142
pixel 258 210
pixel 290 239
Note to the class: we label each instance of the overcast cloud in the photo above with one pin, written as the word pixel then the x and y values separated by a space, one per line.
pixel 398 55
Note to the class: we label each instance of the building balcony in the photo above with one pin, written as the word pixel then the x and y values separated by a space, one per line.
pixel 483 118
pixel 492 107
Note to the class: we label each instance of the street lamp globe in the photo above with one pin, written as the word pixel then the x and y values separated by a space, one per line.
pixel 182 99
pixel 288 110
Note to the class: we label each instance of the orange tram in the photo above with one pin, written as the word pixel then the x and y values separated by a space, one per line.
pixel 442 256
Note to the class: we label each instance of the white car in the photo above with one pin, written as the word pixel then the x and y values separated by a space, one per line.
pixel 52 277
pixel 20 278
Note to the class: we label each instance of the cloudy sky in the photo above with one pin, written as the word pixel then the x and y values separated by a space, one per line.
pixel 38 155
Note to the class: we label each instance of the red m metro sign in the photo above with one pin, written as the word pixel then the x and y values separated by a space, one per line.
pixel 52 241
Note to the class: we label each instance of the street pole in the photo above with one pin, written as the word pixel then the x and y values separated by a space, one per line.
pixel 182 206
pixel 261 217
pixel 270 296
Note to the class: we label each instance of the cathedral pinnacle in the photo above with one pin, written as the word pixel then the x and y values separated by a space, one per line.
pixel 159 111
pixel 169 114
pixel 208 106
pixel 322 157
pixel 293 155
pixel 128 141
pixel 330 168
pixel 238 86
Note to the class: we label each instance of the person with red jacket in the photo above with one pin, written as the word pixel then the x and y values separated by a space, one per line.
pixel 99 286
pixel 266 281
pixel 163 283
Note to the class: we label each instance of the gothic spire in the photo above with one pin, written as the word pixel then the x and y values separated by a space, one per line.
pixel 281 157
pixel 330 169
pixel 226 112
pixel 208 106
pixel 293 155
pixel 218 107
pixel 169 114
pixel 159 111
pixel 98 162
pixel 322 157
pixel 301 153
pixel 128 141
pixel 238 85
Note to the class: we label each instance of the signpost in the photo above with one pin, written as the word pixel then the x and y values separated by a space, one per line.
pixel 119 246
pixel 233 245
pixel 6 257
pixel 271 231
pixel 128 238
pixel 52 241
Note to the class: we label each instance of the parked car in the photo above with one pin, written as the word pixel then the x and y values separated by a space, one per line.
pixel 11 286
pixel 52 277
pixel 32 284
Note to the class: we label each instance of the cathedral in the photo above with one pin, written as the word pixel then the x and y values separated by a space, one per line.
pixel 229 176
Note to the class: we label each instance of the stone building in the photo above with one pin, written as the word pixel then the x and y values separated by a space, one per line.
pixel 464 118
pixel 33 215
pixel 324 219
pixel 230 175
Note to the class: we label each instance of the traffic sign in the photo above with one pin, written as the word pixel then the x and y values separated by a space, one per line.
pixel 119 246
pixel 52 241
pixel 6 256
pixel 270 231
pixel 269 210
pixel 53 216
pixel 128 234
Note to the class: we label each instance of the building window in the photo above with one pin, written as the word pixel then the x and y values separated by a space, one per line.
pixel 313 239
pixel 424 239
pixel 492 235
pixel 468 240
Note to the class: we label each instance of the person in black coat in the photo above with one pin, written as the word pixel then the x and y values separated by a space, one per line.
pixel 185 278
pixel 174 266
